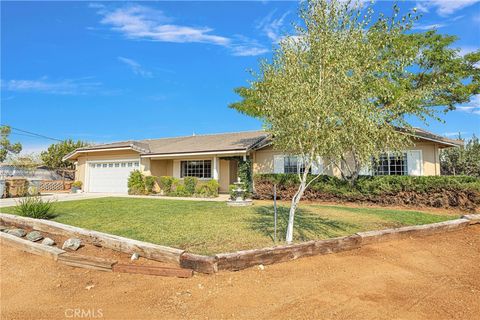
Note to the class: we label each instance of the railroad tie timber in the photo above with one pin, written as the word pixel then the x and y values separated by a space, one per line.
pixel 86 262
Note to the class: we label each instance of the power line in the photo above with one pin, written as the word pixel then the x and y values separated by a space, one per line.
pixel 33 134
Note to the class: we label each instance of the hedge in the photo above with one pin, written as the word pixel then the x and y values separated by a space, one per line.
pixel 435 191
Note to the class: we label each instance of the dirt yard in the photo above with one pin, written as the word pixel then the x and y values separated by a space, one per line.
pixel 436 277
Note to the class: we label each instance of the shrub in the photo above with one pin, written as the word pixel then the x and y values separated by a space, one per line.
pixel 77 184
pixel 34 207
pixel 208 189
pixel 437 191
pixel 190 184
pixel 149 182
pixel 136 185
pixel 167 183
pixel 180 191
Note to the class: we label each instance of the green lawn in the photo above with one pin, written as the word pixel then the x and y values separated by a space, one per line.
pixel 212 227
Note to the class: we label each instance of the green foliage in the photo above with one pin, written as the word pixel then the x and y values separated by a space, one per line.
pixel 34 207
pixel 245 174
pixel 377 185
pixel 190 184
pixel 208 189
pixel 136 184
pixel 6 147
pixel 180 191
pixel 464 160
pixel 77 184
pixel 167 183
pixel 149 182
pixel 53 156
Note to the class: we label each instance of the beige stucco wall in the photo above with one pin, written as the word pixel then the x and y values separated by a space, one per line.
pixel 263 159
pixel 98 156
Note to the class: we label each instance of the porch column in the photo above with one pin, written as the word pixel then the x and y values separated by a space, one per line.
pixel 215 168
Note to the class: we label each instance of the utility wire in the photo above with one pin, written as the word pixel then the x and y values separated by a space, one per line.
pixel 32 133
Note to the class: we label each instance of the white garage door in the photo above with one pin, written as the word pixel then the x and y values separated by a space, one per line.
pixel 110 176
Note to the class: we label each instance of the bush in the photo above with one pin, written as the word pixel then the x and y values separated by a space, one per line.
pixel 149 182
pixel 436 191
pixel 136 185
pixel 180 191
pixel 34 207
pixel 190 184
pixel 167 184
pixel 208 189
pixel 77 184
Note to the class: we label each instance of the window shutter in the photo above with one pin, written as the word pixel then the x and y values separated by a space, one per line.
pixel 176 168
pixel 317 166
pixel 278 163
pixel 414 162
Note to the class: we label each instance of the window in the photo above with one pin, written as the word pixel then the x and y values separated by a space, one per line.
pixel 110 165
pixel 104 165
pixel 293 164
pixel 390 165
pixel 197 168
pixel 117 165
pixel 123 164
pixel 136 164
pixel 129 164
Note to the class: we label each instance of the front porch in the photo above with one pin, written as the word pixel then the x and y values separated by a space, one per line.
pixel 223 168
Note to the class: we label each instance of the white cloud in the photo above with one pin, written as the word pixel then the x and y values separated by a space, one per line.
pixel 44 85
pixel 140 22
pixel 472 107
pixel 429 26
pixel 444 7
pixel 136 67
pixel 271 26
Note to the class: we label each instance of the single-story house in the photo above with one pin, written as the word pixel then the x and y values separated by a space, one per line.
pixel 106 167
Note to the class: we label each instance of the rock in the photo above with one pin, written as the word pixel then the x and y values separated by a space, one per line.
pixel 89 286
pixel 3 228
pixel 17 232
pixel 48 242
pixel 34 236
pixel 135 256
pixel 261 267
pixel 72 244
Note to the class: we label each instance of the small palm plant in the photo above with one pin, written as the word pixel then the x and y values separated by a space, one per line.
pixel 35 207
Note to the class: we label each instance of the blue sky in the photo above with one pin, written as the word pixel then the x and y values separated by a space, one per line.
pixel 107 71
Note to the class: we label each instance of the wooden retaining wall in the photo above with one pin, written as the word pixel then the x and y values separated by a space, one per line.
pixel 31 247
pixel 100 239
pixel 225 261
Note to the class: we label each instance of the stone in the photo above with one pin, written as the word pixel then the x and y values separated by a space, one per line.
pixel 3 228
pixel 135 256
pixel 72 244
pixel 48 242
pixel 17 232
pixel 34 236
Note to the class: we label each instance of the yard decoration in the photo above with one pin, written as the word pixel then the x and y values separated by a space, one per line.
pixel 342 86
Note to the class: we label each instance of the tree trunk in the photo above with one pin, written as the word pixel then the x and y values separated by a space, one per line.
pixel 295 200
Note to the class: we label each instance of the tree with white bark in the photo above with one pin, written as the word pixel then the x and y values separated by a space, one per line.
pixel 342 86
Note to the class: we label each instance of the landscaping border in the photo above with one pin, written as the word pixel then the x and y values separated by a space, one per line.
pixel 99 239
pixel 224 261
